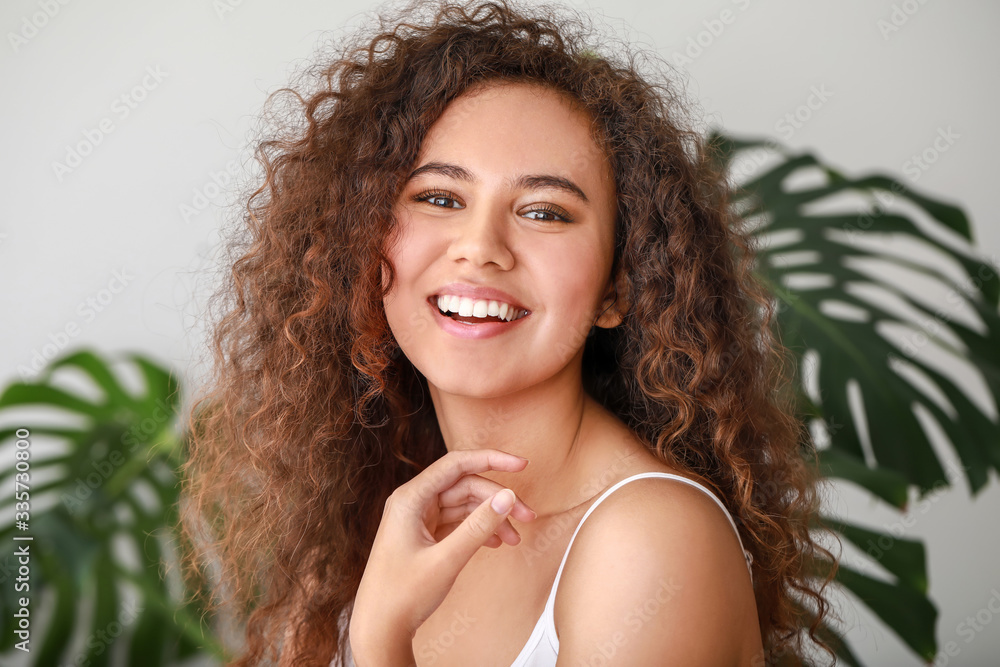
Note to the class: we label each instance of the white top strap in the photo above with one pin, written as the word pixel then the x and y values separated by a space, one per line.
pixel 666 475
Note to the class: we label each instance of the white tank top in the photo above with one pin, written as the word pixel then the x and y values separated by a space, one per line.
pixel 543 644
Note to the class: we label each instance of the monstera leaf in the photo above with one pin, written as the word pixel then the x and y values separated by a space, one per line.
pixel 846 238
pixel 90 491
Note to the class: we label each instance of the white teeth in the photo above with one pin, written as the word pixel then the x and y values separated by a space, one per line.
pixel 467 307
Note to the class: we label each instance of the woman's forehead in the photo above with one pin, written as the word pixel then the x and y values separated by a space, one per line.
pixel 515 100
pixel 503 126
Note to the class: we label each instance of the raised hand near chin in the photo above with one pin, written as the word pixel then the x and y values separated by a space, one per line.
pixel 431 527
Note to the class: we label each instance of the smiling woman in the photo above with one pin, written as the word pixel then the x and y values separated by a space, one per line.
pixel 489 294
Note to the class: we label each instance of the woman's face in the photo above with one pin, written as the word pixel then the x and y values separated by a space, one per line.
pixel 518 208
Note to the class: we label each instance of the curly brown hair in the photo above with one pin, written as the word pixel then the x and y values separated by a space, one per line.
pixel 288 475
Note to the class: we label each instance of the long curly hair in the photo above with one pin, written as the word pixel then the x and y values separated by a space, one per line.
pixel 311 417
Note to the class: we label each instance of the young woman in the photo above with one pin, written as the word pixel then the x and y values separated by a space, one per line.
pixel 495 384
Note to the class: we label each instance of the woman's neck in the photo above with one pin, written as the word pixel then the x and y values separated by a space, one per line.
pixel 556 425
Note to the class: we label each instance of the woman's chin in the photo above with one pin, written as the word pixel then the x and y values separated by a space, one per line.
pixel 471 383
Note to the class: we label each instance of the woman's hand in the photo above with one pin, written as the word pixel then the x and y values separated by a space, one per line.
pixel 430 529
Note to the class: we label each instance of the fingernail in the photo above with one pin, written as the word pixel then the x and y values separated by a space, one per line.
pixel 503 501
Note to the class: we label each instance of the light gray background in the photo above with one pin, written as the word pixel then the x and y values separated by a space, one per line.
pixel 120 210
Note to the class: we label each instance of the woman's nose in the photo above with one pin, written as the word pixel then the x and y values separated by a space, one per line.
pixel 481 238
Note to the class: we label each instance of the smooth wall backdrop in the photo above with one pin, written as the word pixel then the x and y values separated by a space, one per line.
pixel 125 124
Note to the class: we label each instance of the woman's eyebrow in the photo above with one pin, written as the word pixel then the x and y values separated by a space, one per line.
pixel 526 181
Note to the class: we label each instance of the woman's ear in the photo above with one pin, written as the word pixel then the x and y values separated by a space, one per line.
pixel 614 306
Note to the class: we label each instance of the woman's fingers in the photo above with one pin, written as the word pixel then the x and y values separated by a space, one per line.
pixel 493 541
pixel 450 468
pixel 452 516
pixel 457 513
pixel 507 533
pixel 478 529
pixel 472 490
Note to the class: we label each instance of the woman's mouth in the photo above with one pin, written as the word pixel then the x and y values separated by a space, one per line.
pixel 468 318
pixel 476 311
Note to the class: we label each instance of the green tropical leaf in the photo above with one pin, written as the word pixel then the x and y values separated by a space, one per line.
pixel 126 445
pixel 888 485
pixel 908 612
pixel 822 265
pixel 853 352
pixel 903 558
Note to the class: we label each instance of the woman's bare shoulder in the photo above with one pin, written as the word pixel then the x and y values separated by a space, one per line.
pixel 659 561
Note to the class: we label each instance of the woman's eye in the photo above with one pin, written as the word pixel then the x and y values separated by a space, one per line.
pixel 433 197
pixel 562 217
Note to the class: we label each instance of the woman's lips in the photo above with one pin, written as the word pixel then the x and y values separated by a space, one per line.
pixel 479 293
pixel 459 329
